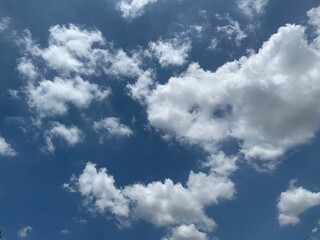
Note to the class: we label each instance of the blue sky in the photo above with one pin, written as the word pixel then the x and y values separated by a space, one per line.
pixel 158 119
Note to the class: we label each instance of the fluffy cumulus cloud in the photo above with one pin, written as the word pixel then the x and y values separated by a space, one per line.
pixel 111 127
pixel 171 52
pixel 252 8
pixel 186 232
pixel 52 97
pixel 294 202
pixel 6 149
pixel 71 135
pixel 268 101
pixel 164 204
pixel 58 74
pixel 24 231
pixel 133 8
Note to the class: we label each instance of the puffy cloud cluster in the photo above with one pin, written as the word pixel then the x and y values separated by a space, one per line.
pixel 111 127
pixel 164 204
pixel 71 135
pixel 133 8
pixel 73 54
pixel 51 97
pixel 294 202
pixel 172 52
pixel 268 101
pixel 6 149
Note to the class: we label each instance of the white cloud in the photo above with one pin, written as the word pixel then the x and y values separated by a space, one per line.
pixel 171 52
pixel 314 17
pixel 72 55
pixel 213 44
pixel 186 232
pixel 100 191
pixel 164 204
pixel 24 231
pixel 4 24
pixel 64 231
pixel 231 30
pixel 221 164
pixel 121 65
pixel 71 135
pixel 294 202
pixel 133 8
pixel 6 149
pixel 51 98
pixel 142 86
pixel 111 127
pixel 268 100
pixel 252 8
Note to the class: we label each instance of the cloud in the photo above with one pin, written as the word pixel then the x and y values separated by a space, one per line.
pixel 50 98
pixel 24 231
pixel 111 127
pixel 64 231
pixel 71 135
pixel 6 149
pixel 142 86
pixel 133 8
pixel 4 24
pixel 232 30
pixel 294 202
pixel 57 74
pixel 164 204
pixel 186 232
pixel 100 191
pixel 172 52
pixel 252 8
pixel 267 101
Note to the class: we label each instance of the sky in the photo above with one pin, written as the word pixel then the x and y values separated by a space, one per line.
pixel 159 119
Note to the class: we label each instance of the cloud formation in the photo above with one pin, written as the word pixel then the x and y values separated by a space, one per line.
pixel 6 149
pixel 133 8
pixel 171 52
pixel 4 24
pixel 164 204
pixel 294 202
pixel 251 8
pixel 186 232
pixel 268 101
pixel 24 231
pixel 111 127
pixel 71 135
pixel 59 75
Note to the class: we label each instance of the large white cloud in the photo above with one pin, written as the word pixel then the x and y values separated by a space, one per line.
pixel 294 202
pixel 268 100
pixel 73 54
pixel 6 149
pixel 164 204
